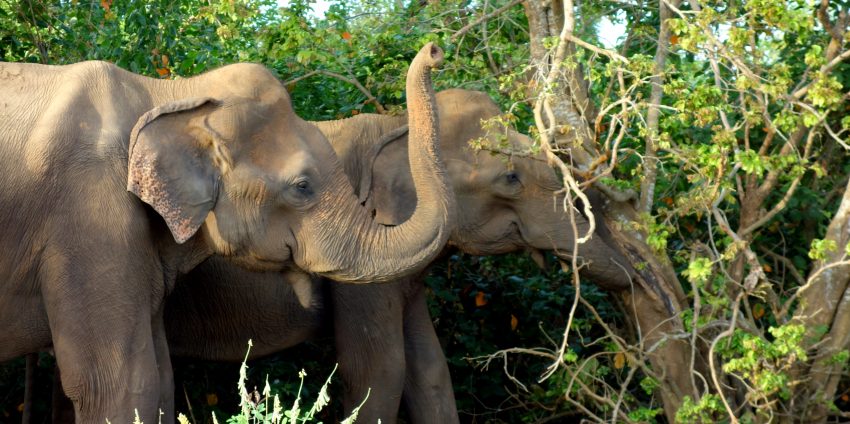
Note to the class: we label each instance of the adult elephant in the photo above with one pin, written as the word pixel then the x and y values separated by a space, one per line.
pixel 218 163
pixel 384 336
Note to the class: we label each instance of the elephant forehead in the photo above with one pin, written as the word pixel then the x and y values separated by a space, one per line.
pixel 542 174
pixel 470 178
pixel 487 164
pixel 255 124
pixel 250 80
pixel 285 164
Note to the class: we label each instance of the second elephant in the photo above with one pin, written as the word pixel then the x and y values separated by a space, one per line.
pixel 384 336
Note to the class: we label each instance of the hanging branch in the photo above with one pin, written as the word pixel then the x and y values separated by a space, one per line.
pixel 571 186
pixel 547 132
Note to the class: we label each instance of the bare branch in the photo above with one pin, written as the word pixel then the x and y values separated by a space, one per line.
pixel 622 394
pixel 792 269
pixel 647 189
pixel 605 52
pixel 302 77
pixel 483 18
pixel 547 133
pixel 779 207
pixel 712 366
pixel 486 39
pixel 576 286
pixel 546 353
pixel 773 175
pixel 813 279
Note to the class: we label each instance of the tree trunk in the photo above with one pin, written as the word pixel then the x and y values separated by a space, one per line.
pixel 825 312
pixel 655 305
pixel 655 302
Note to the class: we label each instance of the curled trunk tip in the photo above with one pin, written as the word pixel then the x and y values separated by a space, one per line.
pixel 381 253
pixel 431 55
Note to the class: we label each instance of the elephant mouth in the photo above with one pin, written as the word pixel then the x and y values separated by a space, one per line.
pixel 540 258
pixel 565 259
pixel 259 264
pixel 565 266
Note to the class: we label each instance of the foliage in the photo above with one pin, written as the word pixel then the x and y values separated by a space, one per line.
pixel 155 38
pixel 708 409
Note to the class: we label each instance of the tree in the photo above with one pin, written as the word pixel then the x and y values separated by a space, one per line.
pixel 754 108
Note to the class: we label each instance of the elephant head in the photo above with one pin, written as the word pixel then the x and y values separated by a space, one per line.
pixel 508 202
pixel 239 169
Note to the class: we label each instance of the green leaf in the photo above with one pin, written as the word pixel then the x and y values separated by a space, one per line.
pixel 698 270
pixel 821 248
pixel 751 162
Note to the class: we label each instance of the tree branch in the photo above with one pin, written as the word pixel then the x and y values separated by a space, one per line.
pixel 797 95
pixel 598 50
pixel 647 189
pixel 483 18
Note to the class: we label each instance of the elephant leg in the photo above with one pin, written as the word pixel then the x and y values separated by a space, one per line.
pixel 370 348
pixel 166 374
pixel 62 410
pixel 29 381
pixel 110 379
pixel 428 395
pixel 102 336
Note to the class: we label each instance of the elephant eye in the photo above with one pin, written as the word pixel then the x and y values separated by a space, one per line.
pixel 303 187
pixel 512 178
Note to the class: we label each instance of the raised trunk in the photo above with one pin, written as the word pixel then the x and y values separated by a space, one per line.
pixel 371 252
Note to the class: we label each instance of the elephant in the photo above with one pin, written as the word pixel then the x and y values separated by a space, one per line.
pixel 383 333
pixel 113 184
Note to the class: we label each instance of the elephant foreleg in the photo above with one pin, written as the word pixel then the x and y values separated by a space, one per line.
pixel 110 379
pixel 102 338
pixel 428 395
pixel 370 348
pixel 62 410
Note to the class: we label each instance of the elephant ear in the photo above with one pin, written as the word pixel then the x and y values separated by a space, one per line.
pixel 364 186
pixel 170 165
pixel 387 182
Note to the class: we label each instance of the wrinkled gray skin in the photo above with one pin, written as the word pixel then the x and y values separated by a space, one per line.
pixel 384 336
pixel 383 332
pixel 224 166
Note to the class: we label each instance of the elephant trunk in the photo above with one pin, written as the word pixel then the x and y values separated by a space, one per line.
pixel 373 252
